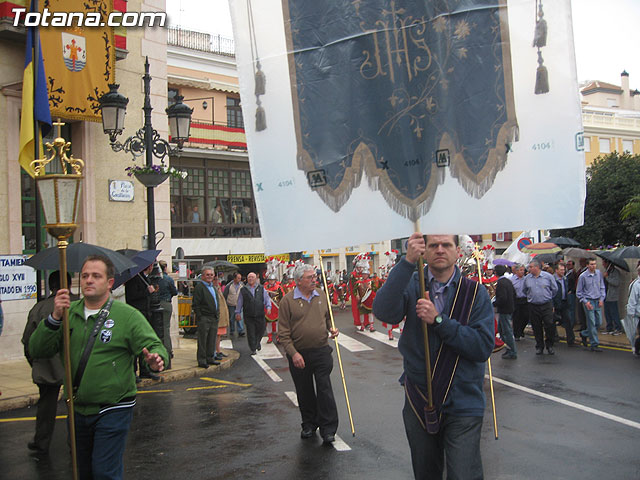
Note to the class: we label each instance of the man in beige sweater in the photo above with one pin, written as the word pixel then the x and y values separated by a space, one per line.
pixel 305 327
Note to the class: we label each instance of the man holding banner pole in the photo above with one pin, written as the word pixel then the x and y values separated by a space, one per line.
pixel 459 318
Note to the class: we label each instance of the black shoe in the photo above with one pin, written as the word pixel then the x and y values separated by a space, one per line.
pixel 259 347
pixel 213 362
pixel 539 351
pixel 150 375
pixel 221 355
pixel 217 356
pixel 253 352
pixel 241 334
pixel 203 365
pixel 307 433
pixel 328 439
pixel 550 351
pixel 583 339
pixel 36 450
pixel 595 348
pixel 509 355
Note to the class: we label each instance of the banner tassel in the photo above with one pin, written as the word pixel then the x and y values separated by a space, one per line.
pixel 261 80
pixel 261 119
pixel 542 77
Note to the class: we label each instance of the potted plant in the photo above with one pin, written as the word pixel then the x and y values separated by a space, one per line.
pixel 154 175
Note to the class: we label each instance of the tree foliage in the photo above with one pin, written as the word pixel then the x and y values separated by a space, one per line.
pixel 612 182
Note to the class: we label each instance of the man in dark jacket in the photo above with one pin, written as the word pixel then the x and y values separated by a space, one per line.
pixel 458 316
pixel 206 306
pixel 505 306
pixel 138 292
pixel 561 305
pixel 47 373
pixel 252 301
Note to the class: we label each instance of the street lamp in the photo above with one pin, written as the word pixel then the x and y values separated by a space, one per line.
pixel 146 140
pixel 60 197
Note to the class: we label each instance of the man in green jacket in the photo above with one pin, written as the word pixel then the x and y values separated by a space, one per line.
pixel 105 395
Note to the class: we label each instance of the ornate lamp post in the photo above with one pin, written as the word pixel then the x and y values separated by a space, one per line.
pixel 60 196
pixel 146 140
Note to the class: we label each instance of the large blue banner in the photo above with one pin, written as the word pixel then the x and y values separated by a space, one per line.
pixel 400 90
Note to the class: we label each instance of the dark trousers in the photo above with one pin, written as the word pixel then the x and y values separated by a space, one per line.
pixel 457 444
pixel 581 318
pixel 317 404
pixel 167 310
pixel 612 316
pixel 541 317
pixel 561 314
pixel 520 317
pixel 46 415
pixel 207 332
pixel 100 442
pixel 255 327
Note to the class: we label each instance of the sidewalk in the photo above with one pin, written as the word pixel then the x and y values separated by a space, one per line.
pixel 619 342
pixel 18 390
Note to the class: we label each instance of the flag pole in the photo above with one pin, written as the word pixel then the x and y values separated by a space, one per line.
pixel 333 325
pixel 35 57
pixel 431 415
pixel 477 255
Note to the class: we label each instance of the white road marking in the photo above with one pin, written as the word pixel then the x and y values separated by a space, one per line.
pixel 226 344
pixel 381 337
pixel 352 344
pixel 273 375
pixel 293 397
pixel 568 403
pixel 268 351
pixel 339 444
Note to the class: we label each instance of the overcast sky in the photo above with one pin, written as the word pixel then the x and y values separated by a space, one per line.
pixel 606 32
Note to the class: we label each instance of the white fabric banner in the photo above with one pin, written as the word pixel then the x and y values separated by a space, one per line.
pixel 312 194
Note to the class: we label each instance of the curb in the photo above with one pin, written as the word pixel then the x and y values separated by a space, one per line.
pixel 165 377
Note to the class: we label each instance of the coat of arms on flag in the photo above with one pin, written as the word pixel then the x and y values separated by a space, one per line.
pixel 74 51
pixel 79 60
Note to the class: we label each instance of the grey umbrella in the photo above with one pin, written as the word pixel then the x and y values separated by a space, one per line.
pixel 578 253
pixel 222 266
pixel 49 259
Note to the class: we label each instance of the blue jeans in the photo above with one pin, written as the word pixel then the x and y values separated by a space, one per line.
pixel 506 331
pixel 233 322
pixel 594 320
pixel 100 442
pixel 612 315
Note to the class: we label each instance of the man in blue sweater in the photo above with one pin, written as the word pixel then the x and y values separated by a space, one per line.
pixel 459 319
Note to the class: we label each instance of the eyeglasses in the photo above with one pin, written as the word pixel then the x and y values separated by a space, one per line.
pixel 314 276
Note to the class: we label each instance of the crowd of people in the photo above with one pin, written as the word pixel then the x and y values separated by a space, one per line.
pixel 463 321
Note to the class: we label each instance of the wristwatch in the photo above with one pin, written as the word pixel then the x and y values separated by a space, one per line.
pixel 438 319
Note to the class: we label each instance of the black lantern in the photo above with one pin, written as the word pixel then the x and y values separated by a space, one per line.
pixel 179 121
pixel 114 108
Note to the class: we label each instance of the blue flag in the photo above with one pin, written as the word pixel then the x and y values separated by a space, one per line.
pixel 35 107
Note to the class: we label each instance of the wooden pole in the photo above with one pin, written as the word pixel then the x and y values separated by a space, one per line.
pixel 68 379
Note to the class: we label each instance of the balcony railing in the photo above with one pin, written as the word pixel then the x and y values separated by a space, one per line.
pixel 203 42
pixel 216 135
pixel 610 121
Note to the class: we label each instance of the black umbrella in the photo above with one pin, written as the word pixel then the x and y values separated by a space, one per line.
pixel 49 259
pixel 610 256
pixel 141 258
pixel 549 258
pixel 627 252
pixel 563 242
pixel 221 265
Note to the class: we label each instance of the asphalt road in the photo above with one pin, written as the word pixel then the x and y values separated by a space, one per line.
pixel 572 415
